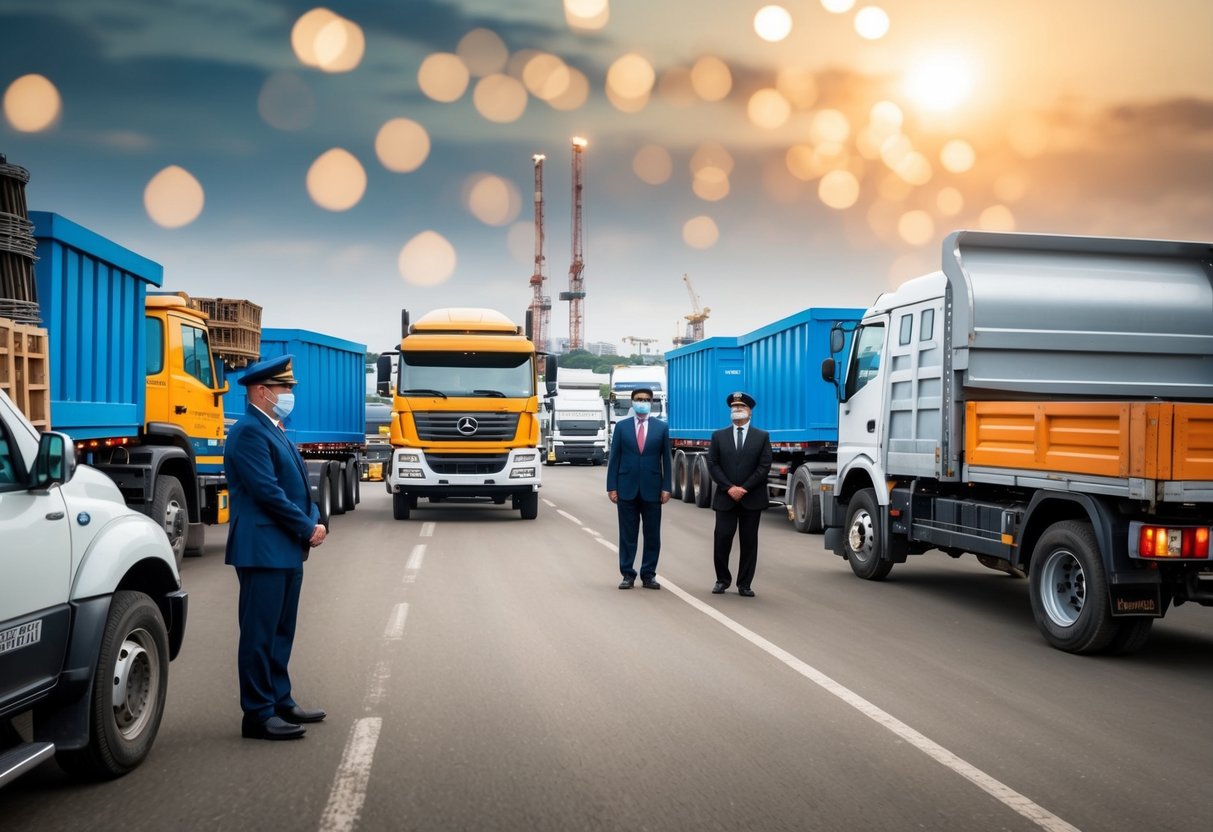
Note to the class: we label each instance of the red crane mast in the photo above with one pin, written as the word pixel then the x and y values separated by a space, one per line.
pixel 541 304
pixel 576 293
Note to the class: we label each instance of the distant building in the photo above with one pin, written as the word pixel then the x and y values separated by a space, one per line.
pixel 592 347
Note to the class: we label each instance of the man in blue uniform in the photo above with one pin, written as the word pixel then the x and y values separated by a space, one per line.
pixel 273 526
pixel 638 483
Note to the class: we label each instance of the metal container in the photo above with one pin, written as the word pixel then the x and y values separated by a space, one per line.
pixel 701 376
pixel 92 292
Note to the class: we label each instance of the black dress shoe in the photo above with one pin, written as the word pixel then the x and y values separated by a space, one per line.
pixel 746 591
pixel 720 587
pixel 274 728
pixel 298 715
pixel 626 583
pixel 650 583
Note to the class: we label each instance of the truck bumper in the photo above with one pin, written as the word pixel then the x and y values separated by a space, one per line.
pixel 579 453
pixel 436 474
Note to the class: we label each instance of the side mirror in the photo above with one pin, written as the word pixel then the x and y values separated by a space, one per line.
pixel 383 375
pixel 529 328
pixel 827 370
pixel 55 463
pixel 549 374
pixel 222 391
pixel 837 340
pixel 404 323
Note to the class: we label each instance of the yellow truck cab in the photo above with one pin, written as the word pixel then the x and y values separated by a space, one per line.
pixel 465 407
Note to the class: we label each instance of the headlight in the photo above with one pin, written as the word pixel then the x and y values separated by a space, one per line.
pixel 408 458
pixel 410 473
pixel 524 458
pixel 520 473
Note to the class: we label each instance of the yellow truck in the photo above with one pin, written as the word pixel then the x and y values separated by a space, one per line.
pixel 465 411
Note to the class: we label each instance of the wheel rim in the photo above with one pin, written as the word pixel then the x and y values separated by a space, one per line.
pixel 174 523
pixel 1063 587
pixel 136 679
pixel 859 536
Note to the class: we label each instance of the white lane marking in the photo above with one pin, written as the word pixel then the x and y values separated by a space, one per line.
pixel 427 529
pixel 418 553
pixel 395 624
pixel 608 544
pixel 1000 791
pixel 588 530
pixel 376 691
pixel 548 503
pixel 349 786
pixel 567 516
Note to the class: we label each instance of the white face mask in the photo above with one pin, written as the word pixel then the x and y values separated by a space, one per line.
pixel 740 414
pixel 285 404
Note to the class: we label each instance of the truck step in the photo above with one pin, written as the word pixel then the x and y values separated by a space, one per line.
pixel 21 758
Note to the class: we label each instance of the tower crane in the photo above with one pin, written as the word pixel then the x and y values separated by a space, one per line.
pixel 642 343
pixel 541 303
pixel 694 331
pixel 576 293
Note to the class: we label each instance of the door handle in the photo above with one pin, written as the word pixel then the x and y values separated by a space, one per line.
pixel 179 409
pixel 55 515
pixel 871 425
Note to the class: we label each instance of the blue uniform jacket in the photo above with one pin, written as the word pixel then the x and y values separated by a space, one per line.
pixel 634 474
pixel 273 516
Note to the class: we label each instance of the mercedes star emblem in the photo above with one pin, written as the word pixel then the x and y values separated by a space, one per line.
pixel 466 425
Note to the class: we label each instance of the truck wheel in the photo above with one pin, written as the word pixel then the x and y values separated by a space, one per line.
pixel 703 482
pixel 170 510
pixel 129 691
pixel 863 543
pixel 401 505
pixel 1131 635
pixel 680 464
pixel 336 487
pixel 688 478
pixel 349 493
pixel 528 505
pixel 806 502
pixel 1070 590
pixel 324 500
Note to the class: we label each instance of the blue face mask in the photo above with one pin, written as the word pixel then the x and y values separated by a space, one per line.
pixel 284 405
pixel 642 408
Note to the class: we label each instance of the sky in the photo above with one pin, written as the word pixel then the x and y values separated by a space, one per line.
pixel 259 154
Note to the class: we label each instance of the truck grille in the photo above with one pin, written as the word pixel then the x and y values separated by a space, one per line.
pixel 443 426
pixel 466 464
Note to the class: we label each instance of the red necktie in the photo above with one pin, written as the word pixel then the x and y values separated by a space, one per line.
pixel 640 435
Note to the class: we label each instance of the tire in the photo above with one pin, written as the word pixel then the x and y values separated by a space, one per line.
pixel 864 546
pixel 336 487
pixel 134 651
pixel 401 505
pixel 349 493
pixel 499 501
pixel 171 513
pixel 1131 635
pixel 1069 589
pixel 688 478
pixel 703 482
pixel 324 500
pixel 528 505
pixel 680 462
pixel 806 502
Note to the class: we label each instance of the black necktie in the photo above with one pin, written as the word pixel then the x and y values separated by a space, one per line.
pixel 740 438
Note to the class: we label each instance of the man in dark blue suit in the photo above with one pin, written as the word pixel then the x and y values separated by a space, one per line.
pixel 638 483
pixel 273 526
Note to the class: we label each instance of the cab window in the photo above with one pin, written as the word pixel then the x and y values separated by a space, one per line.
pixel 865 358
pixel 153 331
pixel 10 475
pixel 196 354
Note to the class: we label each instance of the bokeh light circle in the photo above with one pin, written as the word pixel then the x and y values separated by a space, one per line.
pixel 700 232
pixel 336 181
pixel 773 23
pixel 428 259
pixel 173 197
pixel 652 163
pixel 402 145
pixel 443 77
pixel 32 103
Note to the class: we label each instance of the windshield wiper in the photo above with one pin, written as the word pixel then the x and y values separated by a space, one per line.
pixel 495 393
pixel 423 391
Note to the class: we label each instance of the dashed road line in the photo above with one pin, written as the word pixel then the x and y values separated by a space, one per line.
pixel 395 624
pixel 427 529
pixel 568 516
pixel 414 561
pixel 348 794
pixel 588 530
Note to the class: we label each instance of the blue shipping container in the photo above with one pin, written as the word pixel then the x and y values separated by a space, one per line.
pixel 778 364
pixel 330 399
pixel 91 293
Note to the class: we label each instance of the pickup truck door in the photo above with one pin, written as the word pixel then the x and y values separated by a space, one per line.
pixel 35 579
pixel 860 420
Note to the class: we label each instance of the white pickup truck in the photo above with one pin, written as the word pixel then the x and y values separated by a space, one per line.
pixel 91 612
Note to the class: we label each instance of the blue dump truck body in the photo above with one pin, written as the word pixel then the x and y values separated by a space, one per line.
pixel 328 423
pixel 91 293
pixel 779 365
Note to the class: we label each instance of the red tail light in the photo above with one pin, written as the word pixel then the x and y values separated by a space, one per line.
pixel 1173 542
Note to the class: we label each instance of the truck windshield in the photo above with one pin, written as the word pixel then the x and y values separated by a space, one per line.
pixel 865 358
pixel 467 374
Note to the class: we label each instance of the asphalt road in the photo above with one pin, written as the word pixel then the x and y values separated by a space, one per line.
pixel 483 672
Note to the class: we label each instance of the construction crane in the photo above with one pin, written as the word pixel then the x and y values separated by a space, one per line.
pixel 694 331
pixel 576 293
pixel 643 343
pixel 541 304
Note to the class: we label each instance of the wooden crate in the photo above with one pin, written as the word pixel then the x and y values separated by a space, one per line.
pixel 235 328
pixel 25 370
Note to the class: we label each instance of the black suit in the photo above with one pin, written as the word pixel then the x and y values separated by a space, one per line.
pixel 747 467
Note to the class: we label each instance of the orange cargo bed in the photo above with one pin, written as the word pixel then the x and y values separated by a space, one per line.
pixel 1150 440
